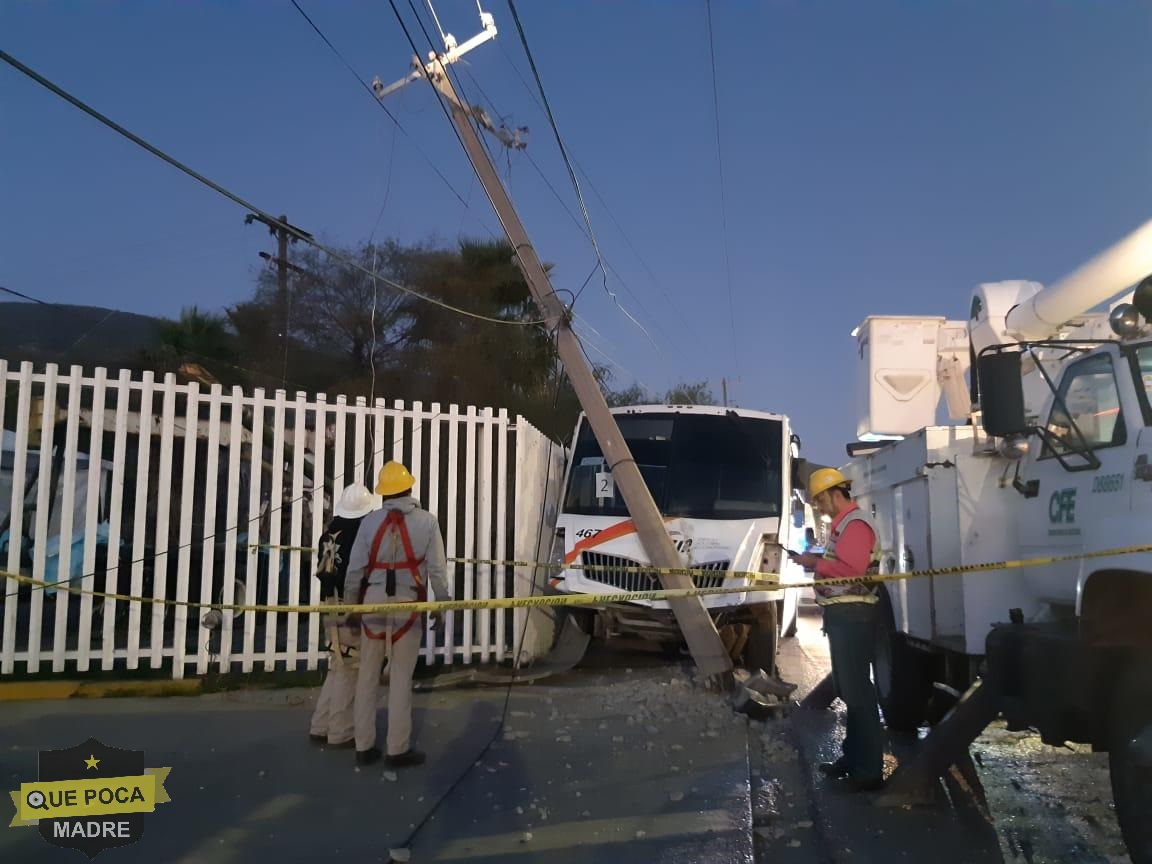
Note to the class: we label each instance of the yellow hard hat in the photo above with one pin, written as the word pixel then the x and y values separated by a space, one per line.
pixel 824 479
pixel 394 479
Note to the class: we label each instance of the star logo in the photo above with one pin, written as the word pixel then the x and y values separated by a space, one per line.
pixel 91 761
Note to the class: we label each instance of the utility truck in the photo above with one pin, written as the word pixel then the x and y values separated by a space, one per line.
pixel 1049 455
pixel 728 484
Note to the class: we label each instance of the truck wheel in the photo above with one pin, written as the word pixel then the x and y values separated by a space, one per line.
pixel 903 674
pixel 760 650
pixel 1130 759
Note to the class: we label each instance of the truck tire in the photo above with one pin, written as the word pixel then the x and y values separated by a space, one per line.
pixel 1130 759
pixel 760 650
pixel 902 673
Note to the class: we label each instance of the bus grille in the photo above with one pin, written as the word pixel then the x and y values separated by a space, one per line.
pixel 614 570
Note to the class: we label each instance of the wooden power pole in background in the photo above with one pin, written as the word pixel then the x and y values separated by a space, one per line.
pixel 283 299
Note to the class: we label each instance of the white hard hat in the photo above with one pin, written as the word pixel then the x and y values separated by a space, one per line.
pixel 356 501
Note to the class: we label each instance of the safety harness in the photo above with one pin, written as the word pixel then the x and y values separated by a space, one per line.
pixel 394 519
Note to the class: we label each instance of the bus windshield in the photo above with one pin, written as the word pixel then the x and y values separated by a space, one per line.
pixel 701 466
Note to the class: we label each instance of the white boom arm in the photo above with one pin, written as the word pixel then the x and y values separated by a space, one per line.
pixel 1109 273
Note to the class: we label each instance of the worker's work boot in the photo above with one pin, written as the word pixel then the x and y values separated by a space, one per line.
pixel 407 759
pixel 368 757
pixel 837 769
pixel 865 784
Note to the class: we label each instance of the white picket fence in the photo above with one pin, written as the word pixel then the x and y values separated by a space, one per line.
pixel 173 491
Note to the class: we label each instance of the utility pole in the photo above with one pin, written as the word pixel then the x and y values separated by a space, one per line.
pixel 283 236
pixel 695 623
pixel 724 390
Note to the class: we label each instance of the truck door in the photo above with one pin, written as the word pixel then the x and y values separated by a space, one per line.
pixel 1078 507
pixel 1141 485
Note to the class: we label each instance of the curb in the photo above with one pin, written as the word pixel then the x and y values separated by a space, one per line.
pixel 26 691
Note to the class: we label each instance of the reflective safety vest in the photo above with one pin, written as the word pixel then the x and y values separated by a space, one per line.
pixel 395 520
pixel 858 593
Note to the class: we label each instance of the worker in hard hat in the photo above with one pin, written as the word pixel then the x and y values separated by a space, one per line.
pixel 332 720
pixel 398 556
pixel 850 622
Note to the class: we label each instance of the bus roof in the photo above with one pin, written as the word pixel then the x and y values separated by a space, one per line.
pixel 714 410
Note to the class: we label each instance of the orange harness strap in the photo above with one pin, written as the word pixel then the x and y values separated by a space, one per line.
pixel 411 563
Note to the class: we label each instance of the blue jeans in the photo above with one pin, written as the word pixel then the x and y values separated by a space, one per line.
pixel 851 629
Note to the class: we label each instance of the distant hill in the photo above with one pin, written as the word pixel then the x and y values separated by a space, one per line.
pixel 65 334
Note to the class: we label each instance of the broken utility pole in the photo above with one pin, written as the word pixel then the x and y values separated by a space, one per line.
pixel 695 623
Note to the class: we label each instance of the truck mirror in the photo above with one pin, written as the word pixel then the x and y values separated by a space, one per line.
pixel 1002 393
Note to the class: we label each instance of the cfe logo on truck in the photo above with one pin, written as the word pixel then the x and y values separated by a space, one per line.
pixel 1062 506
pixel 1062 511
pixel 90 797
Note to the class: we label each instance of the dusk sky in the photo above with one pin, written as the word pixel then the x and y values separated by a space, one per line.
pixel 879 157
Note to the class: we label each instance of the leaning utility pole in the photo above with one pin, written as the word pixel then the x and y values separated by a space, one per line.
pixel 695 622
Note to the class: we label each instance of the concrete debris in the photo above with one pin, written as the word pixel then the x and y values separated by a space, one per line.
pixel 390 776
pixel 640 835
pixel 526 837
pixel 758 706
pixel 761 682
pixel 400 855
pixel 563 739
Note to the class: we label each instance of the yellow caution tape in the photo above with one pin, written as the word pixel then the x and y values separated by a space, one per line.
pixel 756 582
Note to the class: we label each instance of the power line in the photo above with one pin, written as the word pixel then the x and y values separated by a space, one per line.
pixel 723 197
pixel 368 88
pixel 292 230
pixel 607 209
pixel 571 170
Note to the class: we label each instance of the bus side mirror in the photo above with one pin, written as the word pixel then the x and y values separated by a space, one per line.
pixel 1002 394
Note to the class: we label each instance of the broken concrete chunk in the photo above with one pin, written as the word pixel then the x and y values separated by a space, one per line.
pixel 768 685
pixel 756 705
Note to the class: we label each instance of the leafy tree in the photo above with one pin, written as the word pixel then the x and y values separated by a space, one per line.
pixel 684 393
pixel 690 393
pixel 199 345
pixel 634 395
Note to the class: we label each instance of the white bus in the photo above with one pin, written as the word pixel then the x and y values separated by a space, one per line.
pixel 724 480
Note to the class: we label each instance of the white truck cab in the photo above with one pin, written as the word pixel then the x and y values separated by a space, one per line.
pixel 723 480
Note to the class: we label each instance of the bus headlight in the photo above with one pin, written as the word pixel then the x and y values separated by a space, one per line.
pixel 556 556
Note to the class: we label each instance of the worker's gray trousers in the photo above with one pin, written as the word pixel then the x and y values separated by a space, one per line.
pixel 851 629
pixel 402 656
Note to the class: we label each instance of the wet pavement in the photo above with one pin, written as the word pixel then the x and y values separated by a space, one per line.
pixel 1043 804
pixel 607 764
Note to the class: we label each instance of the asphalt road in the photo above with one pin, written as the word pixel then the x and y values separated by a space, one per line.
pixel 627 758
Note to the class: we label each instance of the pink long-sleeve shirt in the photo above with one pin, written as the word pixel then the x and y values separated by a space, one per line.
pixel 853 550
